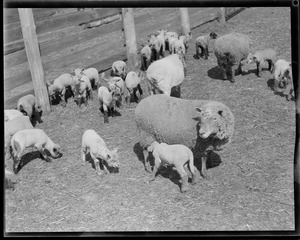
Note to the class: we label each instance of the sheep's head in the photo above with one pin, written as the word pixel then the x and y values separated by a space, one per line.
pixel 212 123
pixel 55 151
pixel 251 58
pixel 213 35
pixel 111 158
pixel 78 71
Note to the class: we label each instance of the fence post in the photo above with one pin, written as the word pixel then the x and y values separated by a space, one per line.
pixel 223 15
pixel 130 38
pixel 185 21
pixel 34 58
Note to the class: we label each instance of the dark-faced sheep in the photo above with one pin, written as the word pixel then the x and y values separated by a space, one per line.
pixel 146 57
pixel 201 125
pixel 202 42
pixel 230 50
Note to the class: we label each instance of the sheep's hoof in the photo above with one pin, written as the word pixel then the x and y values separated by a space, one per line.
pixel 184 189
pixel 232 80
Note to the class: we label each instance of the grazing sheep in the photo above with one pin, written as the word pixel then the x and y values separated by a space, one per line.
pixel 93 143
pixel 13 126
pixel 32 138
pixel 29 107
pixel 83 90
pixel 119 69
pixel 178 46
pixel 10 114
pixel 259 57
pixel 146 57
pixel 168 37
pixel 201 125
pixel 60 86
pixel 176 155
pixel 202 42
pixel 91 73
pixel 107 101
pixel 132 82
pixel 283 77
pixel 230 50
pixel 165 74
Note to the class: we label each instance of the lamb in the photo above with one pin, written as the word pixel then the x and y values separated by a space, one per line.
pixel 165 74
pixel 155 46
pixel 176 155
pixel 161 39
pixel 168 37
pixel 10 114
pixel 93 143
pixel 119 69
pixel 178 46
pixel 146 57
pixel 107 101
pixel 13 126
pixel 230 50
pixel 283 77
pixel 259 57
pixel 60 86
pixel 29 107
pixel 83 90
pixel 202 42
pixel 201 125
pixel 185 39
pixel 32 138
pixel 91 73
pixel 133 85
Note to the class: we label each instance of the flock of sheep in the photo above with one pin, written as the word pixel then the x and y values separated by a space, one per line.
pixel 201 126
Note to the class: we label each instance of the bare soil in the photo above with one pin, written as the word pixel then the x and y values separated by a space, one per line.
pixel 251 181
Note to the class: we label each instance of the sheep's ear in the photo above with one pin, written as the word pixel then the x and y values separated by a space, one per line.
pixel 220 112
pixel 198 109
pixel 73 69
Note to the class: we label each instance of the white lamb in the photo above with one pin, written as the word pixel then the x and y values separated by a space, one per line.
pixel 83 90
pixel 60 86
pixel 283 77
pixel 10 114
pixel 179 46
pixel 133 85
pixel 91 73
pixel 161 39
pixel 155 46
pixel 176 155
pixel 32 138
pixel 146 57
pixel 29 107
pixel 168 37
pixel 202 42
pixel 259 57
pixel 93 143
pixel 118 68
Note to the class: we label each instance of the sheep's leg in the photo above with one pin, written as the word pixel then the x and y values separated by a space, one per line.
pixel 105 113
pixel 97 164
pixel 91 94
pixel 62 96
pixel 140 90
pixel 155 169
pixel 258 69
pixel 84 97
pixel 183 176
pixel 146 161
pixel 17 161
pixel 203 166
pixel 231 71
pixel 206 53
pixel 83 155
pixel 104 167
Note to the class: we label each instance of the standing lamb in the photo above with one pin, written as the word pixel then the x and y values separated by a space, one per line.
pixel 83 90
pixel 146 57
pixel 155 46
pixel 178 46
pixel 201 125
pixel 32 138
pixel 118 68
pixel 93 143
pixel 133 84
pixel 165 74
pixel 283 77
pixel 176 155
pixel 230 50
pixel 259 57
pixel 168 37
pixel 10 114
pixel 29 107
pixel 91 73
pixel 161 39
pixel 202 42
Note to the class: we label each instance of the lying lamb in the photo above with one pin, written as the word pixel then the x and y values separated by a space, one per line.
pixel 283 77
pixel 91 73
pixel 93 143
pixel 118 68
pixel 230 50
pixel 165 74
pixel 146 57
pixel 133 85
pixel 29 107
pixel 10 114
pixel 259 57
pixel 60 86
pixel 201 125
pixel 176 155
pixel 32 138
pixel 202 42
pixel 83 90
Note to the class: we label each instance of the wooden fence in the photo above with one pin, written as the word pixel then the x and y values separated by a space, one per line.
pixel 93 37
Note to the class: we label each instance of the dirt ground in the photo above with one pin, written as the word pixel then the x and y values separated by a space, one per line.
pixel 251 181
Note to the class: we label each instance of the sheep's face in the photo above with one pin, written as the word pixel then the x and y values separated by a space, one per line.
pixel 78 71
pixel 56 151
pixel 210 122
pixel 112 158
pixel 251 59
pixel 213 35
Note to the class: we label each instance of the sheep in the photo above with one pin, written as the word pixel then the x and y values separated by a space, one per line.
pixel 166 73
pixel 161 39
pixel 60 86
pixel 10 114
pixel 132 82
pixel 230 50
pixel 32 138
pixel 201 125
pixel 185 39
pixel 119 69
pixel 91 73
pixel 178 46
pixel 168 37
pixel 83 90
pixel 259 57
pixel 176 155
pixel 283 77
pixel 107 101
pixel 97 147
pixel 13 126
pixel 202 42
pixel 29 107
pixel 146 57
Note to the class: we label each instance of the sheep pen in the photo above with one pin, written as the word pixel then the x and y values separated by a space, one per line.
pixel 251 190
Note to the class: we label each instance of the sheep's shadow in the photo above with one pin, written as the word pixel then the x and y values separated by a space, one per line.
pixel 271 84
pixel 89 160
pixel 216 73
pixel 213 160
pixel 9 184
